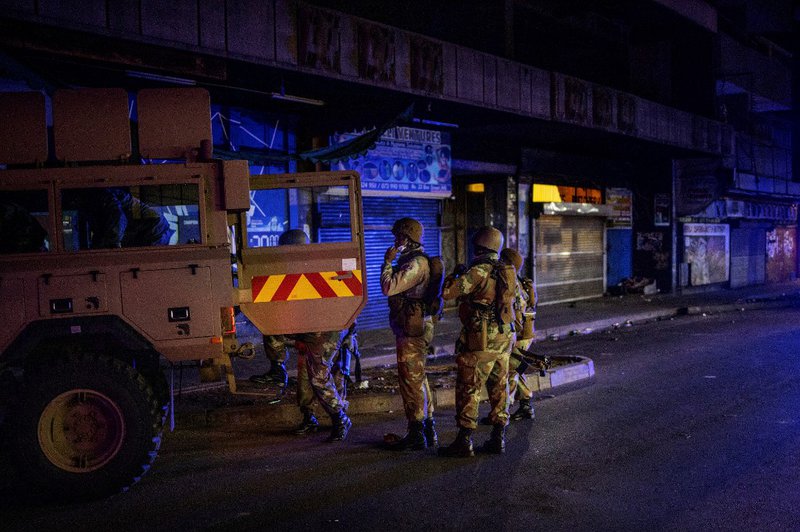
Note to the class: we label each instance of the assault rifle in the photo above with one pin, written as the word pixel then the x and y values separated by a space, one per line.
pixel 529 358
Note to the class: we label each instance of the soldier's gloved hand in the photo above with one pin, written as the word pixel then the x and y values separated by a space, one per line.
pixel 390 255
pixel 460 270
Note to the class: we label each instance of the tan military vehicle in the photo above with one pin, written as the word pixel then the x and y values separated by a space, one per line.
pixel 111 270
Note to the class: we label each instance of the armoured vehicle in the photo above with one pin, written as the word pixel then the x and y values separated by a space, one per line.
pixel 126 248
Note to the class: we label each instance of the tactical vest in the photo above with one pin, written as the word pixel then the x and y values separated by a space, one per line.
pixel 407 309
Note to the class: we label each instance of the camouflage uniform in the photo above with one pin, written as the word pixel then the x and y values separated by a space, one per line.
pixel 476 289
pixel 409 280
pixel 516 381
pixel 315 378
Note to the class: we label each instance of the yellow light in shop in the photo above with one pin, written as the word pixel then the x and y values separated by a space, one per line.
pixel 475 187
pixel 545 193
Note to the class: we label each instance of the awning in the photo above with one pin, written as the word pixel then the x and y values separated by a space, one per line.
pixel 350 149
pixel 357 146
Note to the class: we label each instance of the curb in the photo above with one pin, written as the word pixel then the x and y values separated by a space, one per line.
pixel 583 368
pixel 288 414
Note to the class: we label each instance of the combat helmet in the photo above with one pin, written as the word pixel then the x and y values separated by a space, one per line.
pixel 488 238
pixel 512 256
pixel 293 236
pixel 409 228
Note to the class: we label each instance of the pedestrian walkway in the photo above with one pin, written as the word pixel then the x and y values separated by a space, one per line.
pixel 552 322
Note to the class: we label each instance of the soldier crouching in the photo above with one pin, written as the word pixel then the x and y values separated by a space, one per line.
pixel 483 347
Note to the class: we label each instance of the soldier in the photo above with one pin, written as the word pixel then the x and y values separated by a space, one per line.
pixel 483 347
pixel 314 368
pixel 119 219
pixel 525 303
pixel 315 381
pixel 275 347
pixel 406 284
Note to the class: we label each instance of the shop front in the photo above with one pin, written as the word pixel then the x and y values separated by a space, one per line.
pixel 406 173
pixel 741 242
pixel 569 249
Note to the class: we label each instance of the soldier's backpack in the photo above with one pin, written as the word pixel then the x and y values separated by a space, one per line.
pixel 505 291
pixel 434 304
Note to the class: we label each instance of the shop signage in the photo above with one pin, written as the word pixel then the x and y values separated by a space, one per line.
pixel 706 249
pixel 621 202
pixel 750 210
pixel 404 162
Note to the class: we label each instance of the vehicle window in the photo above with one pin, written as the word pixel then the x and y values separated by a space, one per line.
pixel 130 216
pixel 322 213
pixel 24 221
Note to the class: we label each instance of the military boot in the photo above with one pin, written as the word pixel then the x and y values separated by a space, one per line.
pixel 525 411
pixel 308 425
pixel 414 440
pixel 429 429
pixel 341 426
pixel 496 444
pixel 276 374
pixel 461 446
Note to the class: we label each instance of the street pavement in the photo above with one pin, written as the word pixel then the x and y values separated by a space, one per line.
pixel 200 404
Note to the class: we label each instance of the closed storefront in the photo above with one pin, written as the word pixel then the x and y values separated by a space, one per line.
pixel 747 255
pixel 379 215
pixel 781 254
pixel 569 257
pixel 406 173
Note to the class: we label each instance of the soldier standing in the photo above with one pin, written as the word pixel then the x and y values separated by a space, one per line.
pixel 525 303
pixel 483 347
pixel 405 284
pixel 315 380
pixel 275 347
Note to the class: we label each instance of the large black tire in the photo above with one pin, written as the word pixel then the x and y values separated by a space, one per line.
pixel 87 426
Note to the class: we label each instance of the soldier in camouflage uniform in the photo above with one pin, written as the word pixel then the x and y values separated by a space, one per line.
pixel 405 284
pixel 483 347
pixel 275 347
pixel 315 380
pixel 516 378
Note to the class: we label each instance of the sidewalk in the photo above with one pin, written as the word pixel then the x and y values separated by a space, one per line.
pixel 201 404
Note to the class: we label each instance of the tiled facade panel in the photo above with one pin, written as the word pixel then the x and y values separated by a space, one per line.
pixel 211 19
pixel 508 85
pixel 541 91
pixel 250 26
pixel 89 12
pixel 470 74
pixel 123 16
pixel 489 80
pixel 172 21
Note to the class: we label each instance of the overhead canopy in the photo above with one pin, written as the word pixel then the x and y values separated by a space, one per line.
pixel 357 146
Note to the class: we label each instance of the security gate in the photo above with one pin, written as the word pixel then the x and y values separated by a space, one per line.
pixel 569 258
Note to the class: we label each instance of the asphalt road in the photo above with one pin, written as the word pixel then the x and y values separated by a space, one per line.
pixel 689 424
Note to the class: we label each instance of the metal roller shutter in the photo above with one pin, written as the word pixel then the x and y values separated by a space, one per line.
pixel 570 258
pixel 379 215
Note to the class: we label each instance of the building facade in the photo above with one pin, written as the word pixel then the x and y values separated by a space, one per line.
pixel 663 126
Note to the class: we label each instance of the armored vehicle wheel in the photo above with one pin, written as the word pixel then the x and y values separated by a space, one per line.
pixel 87 426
